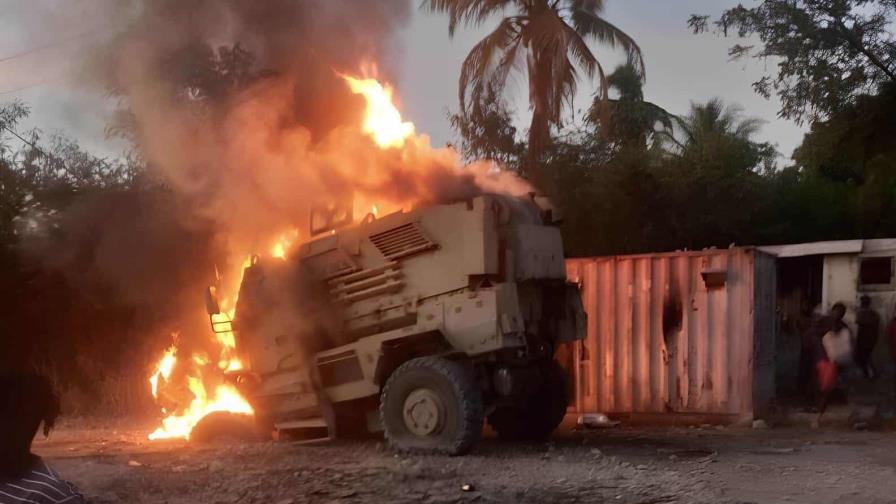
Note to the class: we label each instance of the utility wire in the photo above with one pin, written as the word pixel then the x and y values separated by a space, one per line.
pixel 44 47
pixel 46 154
pixel 35 50
pixel 7 128
pixel 23 88
pixel 32 85
pixel 34 146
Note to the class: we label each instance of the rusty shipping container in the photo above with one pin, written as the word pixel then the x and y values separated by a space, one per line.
pixel 689 333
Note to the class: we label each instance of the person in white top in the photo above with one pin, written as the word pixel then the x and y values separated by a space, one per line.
pixel 833 343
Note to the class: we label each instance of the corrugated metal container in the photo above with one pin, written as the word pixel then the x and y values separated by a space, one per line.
pixel 683 332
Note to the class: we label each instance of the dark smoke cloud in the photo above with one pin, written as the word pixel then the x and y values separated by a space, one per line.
pixel 230 165
pixel 241 158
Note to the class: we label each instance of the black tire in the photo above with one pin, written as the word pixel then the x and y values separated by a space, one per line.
pixel 222 426
pixel 538 414
pixel 445 387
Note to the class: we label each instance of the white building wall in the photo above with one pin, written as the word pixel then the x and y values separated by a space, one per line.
pixel 841 279
pixel 841 283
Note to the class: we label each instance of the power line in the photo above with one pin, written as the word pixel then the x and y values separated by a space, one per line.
pixel 44 47
pixel 46 154
pixel 23 88
pixel 33 145
pixel 32 85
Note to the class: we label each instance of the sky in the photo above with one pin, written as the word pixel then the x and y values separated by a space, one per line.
pixel 681 68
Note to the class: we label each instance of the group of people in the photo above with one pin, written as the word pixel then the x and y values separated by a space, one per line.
pixel 27 400
pixel 829 349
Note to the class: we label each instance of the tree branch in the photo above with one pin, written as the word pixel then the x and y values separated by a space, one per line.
pixel 856 43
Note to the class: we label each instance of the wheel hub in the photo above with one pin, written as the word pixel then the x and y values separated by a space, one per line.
pixel 424 412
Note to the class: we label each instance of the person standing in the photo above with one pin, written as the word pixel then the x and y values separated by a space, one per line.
pixel 868 324
pixel 805 325
pixel 826 367
pixel 891 338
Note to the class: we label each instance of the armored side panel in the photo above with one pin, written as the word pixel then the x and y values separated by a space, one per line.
pixel 467 279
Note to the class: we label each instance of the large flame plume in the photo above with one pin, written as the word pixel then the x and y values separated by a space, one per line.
pixel 382 120
pixel 205 377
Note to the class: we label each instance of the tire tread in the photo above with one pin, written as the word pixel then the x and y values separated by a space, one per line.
pixel 471 409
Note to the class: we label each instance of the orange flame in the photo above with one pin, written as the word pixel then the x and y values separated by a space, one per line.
pixel 282 245
pixel 224 397
pixel 384 124
pixel 382 120
pixel 163 369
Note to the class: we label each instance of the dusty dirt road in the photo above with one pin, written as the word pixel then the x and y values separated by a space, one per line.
pixel 619 465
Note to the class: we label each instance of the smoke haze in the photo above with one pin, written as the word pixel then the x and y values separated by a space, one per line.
pixel 238 110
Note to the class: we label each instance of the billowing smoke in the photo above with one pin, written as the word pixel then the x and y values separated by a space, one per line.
pixel 281 133
pixel 251 142
pixel 240 113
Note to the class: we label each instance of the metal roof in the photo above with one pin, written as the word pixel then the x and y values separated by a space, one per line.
pixel 876 247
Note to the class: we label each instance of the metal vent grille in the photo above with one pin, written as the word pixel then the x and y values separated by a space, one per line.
pixel 401 241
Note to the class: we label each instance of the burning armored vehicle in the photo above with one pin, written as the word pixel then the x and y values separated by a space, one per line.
pixel 425 323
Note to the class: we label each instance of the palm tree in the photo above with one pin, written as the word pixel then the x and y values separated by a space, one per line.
pixel 544 38
pixel 717 135
pixel 628 121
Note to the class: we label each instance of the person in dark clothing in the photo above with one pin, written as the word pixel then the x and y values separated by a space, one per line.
pixel 26 401
pixel 891 338
pixel 807 353
pixel 868 323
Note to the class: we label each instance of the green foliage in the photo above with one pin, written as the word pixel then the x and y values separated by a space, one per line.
pixel 716 136
pixel 39 176
pixel 827 52
pixel 199 78
pixel 628 120
pixel 486 131
pixel 63 214
pixel 855 149
pixel 805 207
pixel 611 202
pixel 707 182
pixel 860 133
pixel 544 39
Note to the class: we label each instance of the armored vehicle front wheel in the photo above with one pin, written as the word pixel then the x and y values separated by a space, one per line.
pixel 432 404
pixel 536 416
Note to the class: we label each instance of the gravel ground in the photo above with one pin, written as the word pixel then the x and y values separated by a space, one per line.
pixel 113 464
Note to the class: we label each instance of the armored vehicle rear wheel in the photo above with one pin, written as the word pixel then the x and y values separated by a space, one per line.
pixel 432 404
pixel 538 414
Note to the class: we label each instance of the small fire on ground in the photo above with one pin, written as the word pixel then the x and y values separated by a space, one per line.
pixel 204 377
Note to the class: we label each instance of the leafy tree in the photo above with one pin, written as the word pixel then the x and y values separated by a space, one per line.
pixel 611 201
pixel 827 52
pixel 862 132
pixel 199 77
pixel 714 176
pixel 805 207
pixel 718 136
pixel 41 175
pixel 73 330
pixel 627 120
pixel 486 131
pixel 548 39
pixel 854 148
